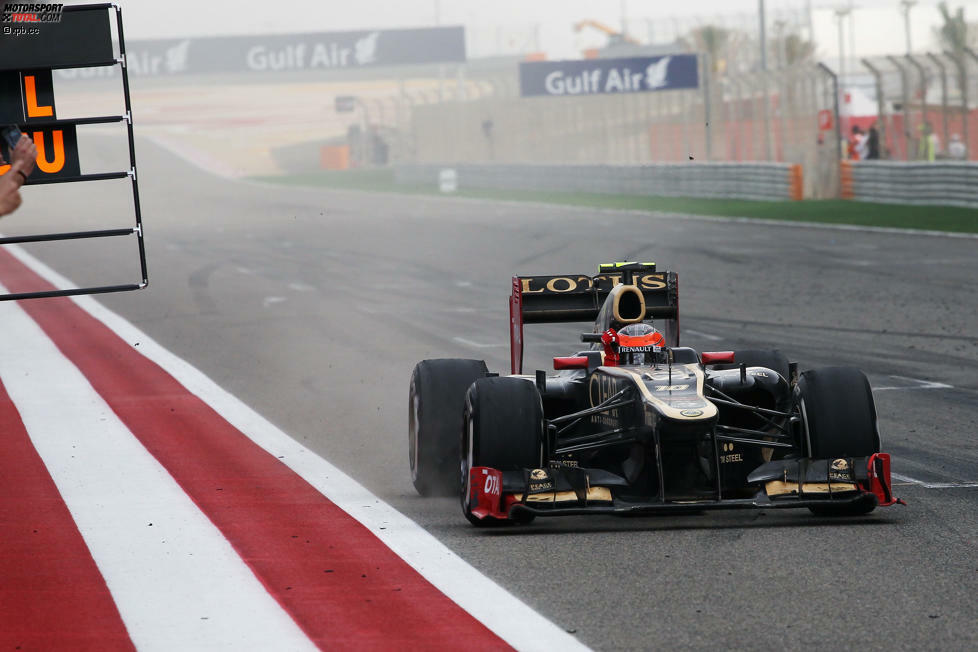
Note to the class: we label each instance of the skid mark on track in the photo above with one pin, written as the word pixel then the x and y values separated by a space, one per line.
pixel 706 336
pixel 962 484
pixel 917 384
pixel 476 345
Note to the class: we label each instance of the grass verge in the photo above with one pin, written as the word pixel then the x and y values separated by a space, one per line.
pixel 829 211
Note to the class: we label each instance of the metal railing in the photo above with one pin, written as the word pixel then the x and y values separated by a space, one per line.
pixel 759 181
pixel 941 183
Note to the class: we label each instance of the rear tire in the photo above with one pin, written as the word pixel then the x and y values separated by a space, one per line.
pixel 840 421
pixel 435 410
pixel 504 429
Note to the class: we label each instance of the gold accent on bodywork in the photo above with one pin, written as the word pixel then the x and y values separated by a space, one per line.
pixel 619 292
pixel 594 494
pixel 709 410
pixel 779 488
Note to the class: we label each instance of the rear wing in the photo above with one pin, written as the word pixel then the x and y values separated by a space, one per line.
pixel 578 298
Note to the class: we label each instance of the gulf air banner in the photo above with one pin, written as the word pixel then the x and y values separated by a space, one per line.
pixel 288 52
pixel 609 76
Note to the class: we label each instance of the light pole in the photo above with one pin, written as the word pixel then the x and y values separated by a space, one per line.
pixel 852 29
pixel 779 29
pixel 840 15
pixel 907 4
pixel 763 33
pixel 624 22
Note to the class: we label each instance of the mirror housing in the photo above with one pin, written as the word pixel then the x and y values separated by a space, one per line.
pixel 571 362
pixel 718 357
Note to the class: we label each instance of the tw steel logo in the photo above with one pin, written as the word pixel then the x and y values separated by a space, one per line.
pixel 572 284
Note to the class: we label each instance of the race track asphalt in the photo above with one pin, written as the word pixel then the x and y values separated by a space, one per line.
pixel 312 306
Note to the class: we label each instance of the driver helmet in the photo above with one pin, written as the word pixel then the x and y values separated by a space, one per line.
pixel 638 344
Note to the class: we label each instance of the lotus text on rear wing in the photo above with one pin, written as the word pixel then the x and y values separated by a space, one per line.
pixel 581 283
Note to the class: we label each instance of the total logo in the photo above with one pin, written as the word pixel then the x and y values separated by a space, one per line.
pixel 618 80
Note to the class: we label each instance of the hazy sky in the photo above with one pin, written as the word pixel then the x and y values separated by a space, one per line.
pixel 879 26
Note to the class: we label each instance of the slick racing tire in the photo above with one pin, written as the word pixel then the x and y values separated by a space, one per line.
pixel 839 417
pixel 504 429
pixel 435 407
pixel 764 358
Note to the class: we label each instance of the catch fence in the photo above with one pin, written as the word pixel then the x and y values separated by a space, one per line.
pixel 923 94
pixel 773 116
pixel 925 108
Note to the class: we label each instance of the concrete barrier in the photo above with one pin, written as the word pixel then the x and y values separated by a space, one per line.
pixel 949 183
pixel 762 181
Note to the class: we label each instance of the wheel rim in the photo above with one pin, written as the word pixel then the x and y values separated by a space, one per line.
pixel 414 419
pixel 466 464
pixel 804 420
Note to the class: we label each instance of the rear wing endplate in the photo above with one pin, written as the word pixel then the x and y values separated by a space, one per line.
pixel 578 298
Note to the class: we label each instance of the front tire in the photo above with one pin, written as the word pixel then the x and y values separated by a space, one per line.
pixel 840 422
pixel 504 429
pixel 436 404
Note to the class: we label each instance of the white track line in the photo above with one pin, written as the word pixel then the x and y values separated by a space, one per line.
pixel 177 582
pixel 506 615
pixel 706 336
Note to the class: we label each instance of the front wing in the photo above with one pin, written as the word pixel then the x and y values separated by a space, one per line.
pixel 489 497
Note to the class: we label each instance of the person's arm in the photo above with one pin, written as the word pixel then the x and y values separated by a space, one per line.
pixel 22 161
pixel 9 196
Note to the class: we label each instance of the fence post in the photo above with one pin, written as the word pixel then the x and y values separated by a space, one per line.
pixel 766 114
pixel 908 139
pixel 944 109
pixel 923 99
pixel 880 104
pixel 707 105
pixel 964 97
pixel 835 110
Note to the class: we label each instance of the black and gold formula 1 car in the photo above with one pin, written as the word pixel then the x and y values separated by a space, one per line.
pixel 636 423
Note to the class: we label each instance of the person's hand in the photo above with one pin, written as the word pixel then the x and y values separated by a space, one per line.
pixel 24 156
